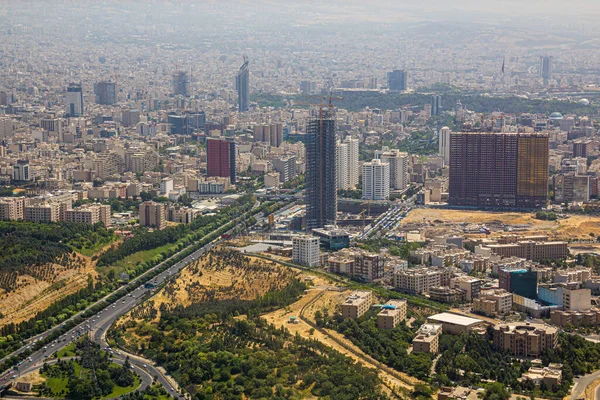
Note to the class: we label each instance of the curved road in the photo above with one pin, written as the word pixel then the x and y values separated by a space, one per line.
pixel 96 326
pixel 145 377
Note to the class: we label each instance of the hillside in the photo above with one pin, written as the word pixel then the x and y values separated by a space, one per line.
pixel 41 263
pixel 205 329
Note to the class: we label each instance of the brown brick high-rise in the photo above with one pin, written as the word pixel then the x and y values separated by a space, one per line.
pixel 492 170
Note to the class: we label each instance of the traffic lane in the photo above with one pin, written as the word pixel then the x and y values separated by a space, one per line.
pixel 145 378
pixel 101 320
pixel 51 330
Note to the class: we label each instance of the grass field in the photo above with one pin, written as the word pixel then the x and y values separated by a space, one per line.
pixel 89 252
pixel 120 391
pixel 68 351
pixel 57 385
pixel 135 258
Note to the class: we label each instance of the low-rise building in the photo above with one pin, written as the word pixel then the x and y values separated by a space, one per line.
pixel 571 299
pixel 391 314
pixel 332 238
pixel 421 280
pixel 525 339
pixel 89 214
pixel 455 324
pixel 493 302
pixel 357 304
pixel 427 339
pixel 357 263
pixel 455 393
pixel 550 376
pixel 532 250
pixel 445 294
pixel 589 317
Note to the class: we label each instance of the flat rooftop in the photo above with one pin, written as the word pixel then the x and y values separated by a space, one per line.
pixel 454 319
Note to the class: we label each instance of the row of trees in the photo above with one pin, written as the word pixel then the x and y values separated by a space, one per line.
pixel 185 234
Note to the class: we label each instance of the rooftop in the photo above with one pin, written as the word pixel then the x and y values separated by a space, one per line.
pixel 455 319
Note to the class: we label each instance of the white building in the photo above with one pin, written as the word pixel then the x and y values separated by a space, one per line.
pixel 444 145
pixel 305 250
pixel 166 186
pixel 21 171
pixel 376 180
pixel 398 162
pixel 347 165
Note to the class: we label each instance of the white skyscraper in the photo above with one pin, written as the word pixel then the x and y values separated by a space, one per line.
pixel 376 180
pixel 398 162
pixel 341 168
pixel 444 143
pixel 347 168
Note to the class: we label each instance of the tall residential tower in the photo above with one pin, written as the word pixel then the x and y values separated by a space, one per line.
pixel 221 160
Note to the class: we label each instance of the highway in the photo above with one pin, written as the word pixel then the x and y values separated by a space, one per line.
pixel 96 327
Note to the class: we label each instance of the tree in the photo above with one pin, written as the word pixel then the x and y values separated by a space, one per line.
pixel 495 391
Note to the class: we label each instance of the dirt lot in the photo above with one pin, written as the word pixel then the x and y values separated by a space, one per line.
pixel 441 221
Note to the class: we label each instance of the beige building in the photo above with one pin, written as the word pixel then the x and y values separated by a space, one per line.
pixel 153 214
pixel 589 317
pixel 427 339
pixel 391 314
pixel 358 263
pixel 550 376
pixel 525 339
pixel 44 212
pixel 494 301
pixel 12 208
pixel 531 250
pixel 420 280
pixel 89 214
pixel 358 303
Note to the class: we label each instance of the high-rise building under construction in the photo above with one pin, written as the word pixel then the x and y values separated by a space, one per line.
pixel 181 84
pixel 321 187
pixel 491 170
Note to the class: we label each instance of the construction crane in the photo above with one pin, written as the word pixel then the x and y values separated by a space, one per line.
pixel 305 100
pixel 362 213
